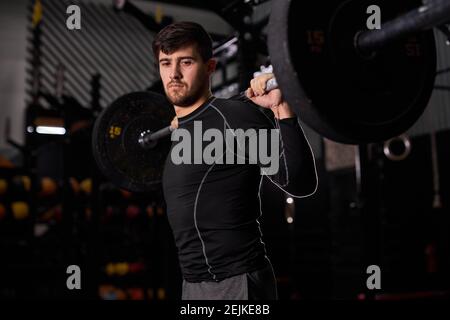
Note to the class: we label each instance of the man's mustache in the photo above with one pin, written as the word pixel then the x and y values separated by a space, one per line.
pixel 175 83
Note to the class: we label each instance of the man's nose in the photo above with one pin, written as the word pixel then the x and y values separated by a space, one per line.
pixel 175 72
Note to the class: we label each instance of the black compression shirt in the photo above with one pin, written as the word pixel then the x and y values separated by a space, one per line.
pixel 213 209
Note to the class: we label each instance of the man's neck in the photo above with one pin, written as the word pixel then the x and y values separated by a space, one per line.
pixel 184 111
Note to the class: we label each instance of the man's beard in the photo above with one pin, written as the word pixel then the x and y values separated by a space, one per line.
pixel 184 100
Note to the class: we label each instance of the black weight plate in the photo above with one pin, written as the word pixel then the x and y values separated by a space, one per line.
pixel 115 137
pixel 339 93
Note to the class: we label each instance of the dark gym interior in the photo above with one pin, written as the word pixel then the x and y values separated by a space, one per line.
pixel 384 203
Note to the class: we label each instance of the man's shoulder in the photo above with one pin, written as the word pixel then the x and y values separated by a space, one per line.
pixel 239 106
pixel 243 113
pixel 228 103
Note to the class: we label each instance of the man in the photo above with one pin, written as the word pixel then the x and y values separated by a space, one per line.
pixel 213 209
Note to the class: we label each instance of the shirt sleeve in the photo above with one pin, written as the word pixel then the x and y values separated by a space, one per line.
pixel 297 171
pixel 294 170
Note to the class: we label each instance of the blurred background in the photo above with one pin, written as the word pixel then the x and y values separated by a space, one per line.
pixel 384 204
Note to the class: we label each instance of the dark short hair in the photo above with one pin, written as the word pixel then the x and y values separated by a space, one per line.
pixel 180 34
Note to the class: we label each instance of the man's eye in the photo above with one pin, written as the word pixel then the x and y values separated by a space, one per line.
pixel 165 64
pixel 187 63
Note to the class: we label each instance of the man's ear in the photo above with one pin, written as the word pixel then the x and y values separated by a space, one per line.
pixel 211 65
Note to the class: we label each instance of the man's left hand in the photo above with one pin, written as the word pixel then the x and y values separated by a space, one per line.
pixel 257 92
pixel 272 100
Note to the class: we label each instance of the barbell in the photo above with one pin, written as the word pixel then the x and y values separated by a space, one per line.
pixel 116 144
pixel 349 84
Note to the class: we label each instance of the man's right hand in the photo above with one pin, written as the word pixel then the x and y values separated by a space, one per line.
pixel 174 123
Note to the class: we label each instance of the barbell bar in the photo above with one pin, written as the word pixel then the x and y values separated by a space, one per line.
pixel 315 49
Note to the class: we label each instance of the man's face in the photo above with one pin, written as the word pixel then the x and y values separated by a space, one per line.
pixel 185 75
